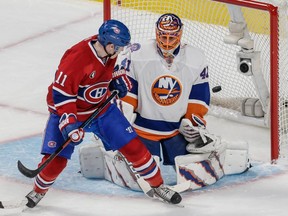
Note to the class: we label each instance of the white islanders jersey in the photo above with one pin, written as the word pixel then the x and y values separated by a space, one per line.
pixel 163 95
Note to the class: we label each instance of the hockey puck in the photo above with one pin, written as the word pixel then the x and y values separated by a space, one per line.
pixel 216 89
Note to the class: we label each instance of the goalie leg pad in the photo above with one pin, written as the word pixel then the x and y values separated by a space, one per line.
pixel 97 163
pixel 200 169
pixel 91 161
pixel 205 169
pixel 236 158
pixel 117 172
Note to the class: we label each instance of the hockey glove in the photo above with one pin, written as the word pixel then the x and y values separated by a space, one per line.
pixel 68 126
pixel 120 82
pixel 190 132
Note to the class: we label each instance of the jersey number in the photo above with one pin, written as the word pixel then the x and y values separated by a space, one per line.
pixel 126 64
pixel 204 73
pixel 61 79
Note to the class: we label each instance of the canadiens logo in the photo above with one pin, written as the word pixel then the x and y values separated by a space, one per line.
pixel 166 90
pixel 116 30
pixel 94 94
pixel 52 144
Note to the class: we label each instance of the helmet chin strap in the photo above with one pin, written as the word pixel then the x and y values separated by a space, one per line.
pixel 108 55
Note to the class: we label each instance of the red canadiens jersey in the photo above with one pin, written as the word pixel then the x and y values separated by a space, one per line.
pixel 81 81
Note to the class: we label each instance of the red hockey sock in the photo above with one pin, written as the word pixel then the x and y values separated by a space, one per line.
pixel 143 162
pixel 49 174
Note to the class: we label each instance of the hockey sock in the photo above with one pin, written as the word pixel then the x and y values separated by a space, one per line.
pixel 143 162
pixel 49 174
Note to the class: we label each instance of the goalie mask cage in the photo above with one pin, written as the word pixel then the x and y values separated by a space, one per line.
pixel 206 24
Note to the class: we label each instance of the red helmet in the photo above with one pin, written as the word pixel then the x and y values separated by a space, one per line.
pixel 168 33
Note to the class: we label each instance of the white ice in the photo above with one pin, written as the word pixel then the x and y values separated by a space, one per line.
pixel 33 36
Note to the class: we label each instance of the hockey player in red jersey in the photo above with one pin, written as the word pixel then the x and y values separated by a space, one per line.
pixel 83 81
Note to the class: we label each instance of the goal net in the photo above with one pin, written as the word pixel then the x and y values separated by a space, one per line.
pixel 246 44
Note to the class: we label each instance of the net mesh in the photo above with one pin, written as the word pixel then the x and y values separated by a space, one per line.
pixel 205 26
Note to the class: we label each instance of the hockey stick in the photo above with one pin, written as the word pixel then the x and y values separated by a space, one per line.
pixel 32 173
pixel 144 186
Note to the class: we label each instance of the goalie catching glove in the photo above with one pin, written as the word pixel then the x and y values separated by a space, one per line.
pixel 68 126
pixel 200 140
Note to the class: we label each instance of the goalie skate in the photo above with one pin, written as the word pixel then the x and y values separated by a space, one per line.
pixel 167 195
pixel 34 198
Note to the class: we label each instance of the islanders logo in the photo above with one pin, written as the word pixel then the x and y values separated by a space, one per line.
pixel 166 90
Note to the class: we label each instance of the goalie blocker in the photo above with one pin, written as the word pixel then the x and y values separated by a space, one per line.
pixel 193 171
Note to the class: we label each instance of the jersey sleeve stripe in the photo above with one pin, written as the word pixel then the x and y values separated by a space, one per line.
pixel 61 98
pixel 197 109
pixel 64 102
pixel 200 92
pixel 131 100
pixel 55 89
pixel 198 102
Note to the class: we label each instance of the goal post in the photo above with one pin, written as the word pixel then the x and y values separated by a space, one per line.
pixel 274 57
pixel 235 35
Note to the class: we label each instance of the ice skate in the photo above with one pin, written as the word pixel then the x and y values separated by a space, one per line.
pixel 34 198
pixel 167 195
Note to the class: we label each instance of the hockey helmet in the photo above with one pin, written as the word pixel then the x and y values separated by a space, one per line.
pixel 115 32
pixel 168 32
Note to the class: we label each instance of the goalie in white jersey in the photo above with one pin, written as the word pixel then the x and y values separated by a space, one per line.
pixel 170 82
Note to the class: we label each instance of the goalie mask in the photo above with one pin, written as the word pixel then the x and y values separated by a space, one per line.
pixel 168 35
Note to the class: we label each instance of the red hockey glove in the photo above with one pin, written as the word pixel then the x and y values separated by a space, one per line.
pixel 68 126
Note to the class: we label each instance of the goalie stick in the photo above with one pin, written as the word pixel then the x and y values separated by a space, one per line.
pixel 32 173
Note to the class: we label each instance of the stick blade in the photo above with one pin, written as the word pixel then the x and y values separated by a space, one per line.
pixel 25 171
